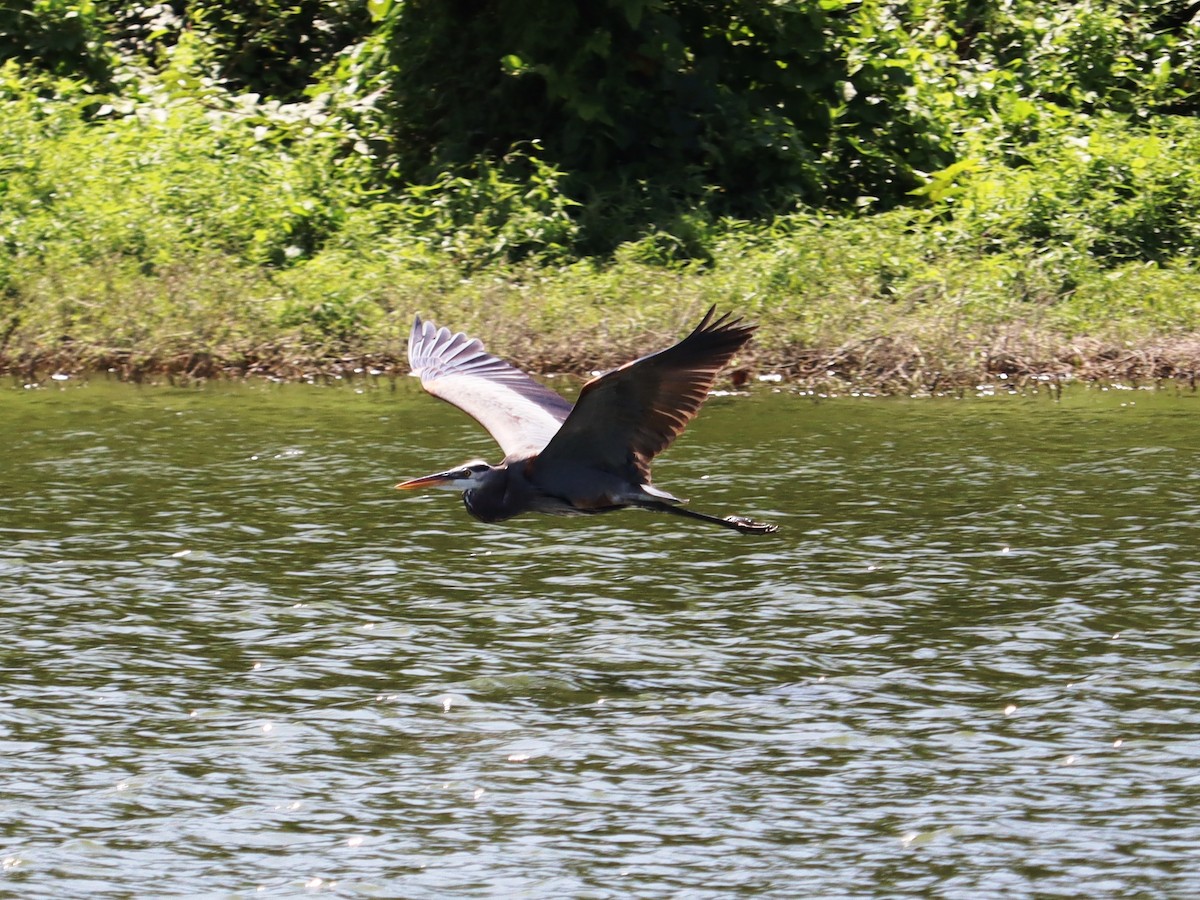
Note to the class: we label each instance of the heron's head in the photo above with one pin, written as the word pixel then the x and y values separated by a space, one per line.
pixel 466 477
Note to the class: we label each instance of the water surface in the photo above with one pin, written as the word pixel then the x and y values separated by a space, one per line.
pixel 236 662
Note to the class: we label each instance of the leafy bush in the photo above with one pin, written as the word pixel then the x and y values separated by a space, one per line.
pixel 677 91
pixel 1112 192
pixel 56 37
pixel 275 47
pixel 167 175
pixel 478 213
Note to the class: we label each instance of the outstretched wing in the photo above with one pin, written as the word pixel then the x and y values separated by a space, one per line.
pixel 520 414
pixel 626 417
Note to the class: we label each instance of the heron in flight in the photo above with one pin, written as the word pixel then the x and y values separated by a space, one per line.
pixel 592 456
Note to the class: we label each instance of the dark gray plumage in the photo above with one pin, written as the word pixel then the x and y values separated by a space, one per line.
pixel 589 457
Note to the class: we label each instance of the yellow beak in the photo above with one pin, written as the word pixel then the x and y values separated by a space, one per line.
pixel 423 481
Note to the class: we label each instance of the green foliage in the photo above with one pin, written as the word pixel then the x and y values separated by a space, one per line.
pixel 679 92
pixel 156 180
pixel 650 109
pixel 138 190
pixel 1114 193
pixel 638 119
pixel 276 47
pixel 245 179
pixel 334 320
pixel 480 213
pixel 1099 54
pixel 894 105
pixel 56 37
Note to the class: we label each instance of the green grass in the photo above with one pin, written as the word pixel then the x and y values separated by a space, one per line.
pixel 199 234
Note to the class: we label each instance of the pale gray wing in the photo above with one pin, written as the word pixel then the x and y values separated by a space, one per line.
pixel 626 417
pixel 520 414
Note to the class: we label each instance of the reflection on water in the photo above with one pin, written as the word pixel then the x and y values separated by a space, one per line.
pixel 235 658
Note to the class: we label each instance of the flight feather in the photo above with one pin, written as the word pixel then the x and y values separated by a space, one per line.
pixel 521 414
pixel 626 417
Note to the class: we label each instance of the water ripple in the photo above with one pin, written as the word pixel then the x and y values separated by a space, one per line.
pixel 236 660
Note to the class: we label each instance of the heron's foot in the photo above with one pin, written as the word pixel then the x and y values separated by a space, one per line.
pixel 749 526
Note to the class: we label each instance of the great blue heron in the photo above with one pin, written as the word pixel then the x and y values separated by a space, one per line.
pixel 590 457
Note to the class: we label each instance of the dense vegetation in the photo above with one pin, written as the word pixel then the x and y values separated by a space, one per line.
pixel 910 194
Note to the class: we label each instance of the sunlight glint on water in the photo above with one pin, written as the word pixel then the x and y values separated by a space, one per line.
pixel 236 658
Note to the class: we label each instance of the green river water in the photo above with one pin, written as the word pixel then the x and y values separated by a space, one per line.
pixel 236 662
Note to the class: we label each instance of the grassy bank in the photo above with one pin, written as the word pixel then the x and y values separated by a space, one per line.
pixel 871 303
pixel 896 302
pixel 198 235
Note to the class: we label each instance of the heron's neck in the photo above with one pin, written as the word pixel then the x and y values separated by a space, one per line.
pixel 491 500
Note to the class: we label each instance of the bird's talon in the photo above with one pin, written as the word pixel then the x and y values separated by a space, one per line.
pixel 749 526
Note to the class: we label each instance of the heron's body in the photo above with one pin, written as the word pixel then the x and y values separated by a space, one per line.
pixel 521 485
pixel 563 459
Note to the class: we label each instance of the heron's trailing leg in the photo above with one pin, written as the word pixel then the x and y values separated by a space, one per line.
pixel 737 523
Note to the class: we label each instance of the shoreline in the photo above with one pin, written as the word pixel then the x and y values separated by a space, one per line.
pixel 881 365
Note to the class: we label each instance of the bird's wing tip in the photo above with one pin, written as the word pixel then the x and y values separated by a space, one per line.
pixel 723 322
